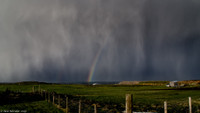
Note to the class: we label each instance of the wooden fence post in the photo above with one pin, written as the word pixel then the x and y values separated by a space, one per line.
pixel 190 105
pixel 67 109
pixel 53 98
pixel 95 108
pixel 79 108
pixel 45 93
pixel 49 99
pixel 42 94
pixel 129 103
pixel 39 90
pixel 165 106
pixel 59 101
pixel 33 89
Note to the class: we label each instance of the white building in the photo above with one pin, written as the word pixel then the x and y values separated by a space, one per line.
pixel 172 84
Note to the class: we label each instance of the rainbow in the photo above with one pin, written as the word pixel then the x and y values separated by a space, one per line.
pixel 95 61
pixel 93 67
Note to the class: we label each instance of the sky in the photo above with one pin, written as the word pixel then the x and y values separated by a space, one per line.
pixel 99 40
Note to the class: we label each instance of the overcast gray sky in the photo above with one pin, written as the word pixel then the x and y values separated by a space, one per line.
pixel 63 40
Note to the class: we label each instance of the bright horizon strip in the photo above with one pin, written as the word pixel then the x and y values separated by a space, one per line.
pixel 93 67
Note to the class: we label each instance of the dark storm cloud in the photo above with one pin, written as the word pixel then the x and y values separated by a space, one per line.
pixel 57 40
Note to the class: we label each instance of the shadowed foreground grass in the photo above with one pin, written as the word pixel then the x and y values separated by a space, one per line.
pixel 31 107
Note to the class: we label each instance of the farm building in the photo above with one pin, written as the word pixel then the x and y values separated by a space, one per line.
pixel 94 84
pixel 172 84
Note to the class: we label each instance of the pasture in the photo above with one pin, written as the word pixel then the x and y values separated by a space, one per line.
pixel 111 98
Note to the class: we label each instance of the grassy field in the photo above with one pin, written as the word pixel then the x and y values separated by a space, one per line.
pixel 145 98
pixel 31 107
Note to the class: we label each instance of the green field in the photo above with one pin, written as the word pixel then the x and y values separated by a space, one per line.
pixel 33 107
pixel 111 98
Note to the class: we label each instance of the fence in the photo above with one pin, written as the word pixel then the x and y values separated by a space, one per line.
pixel 75 104
pixel 68 104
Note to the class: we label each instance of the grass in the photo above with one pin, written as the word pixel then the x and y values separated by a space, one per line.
pixel 145 93
pixel 31 107
pixel 144 97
